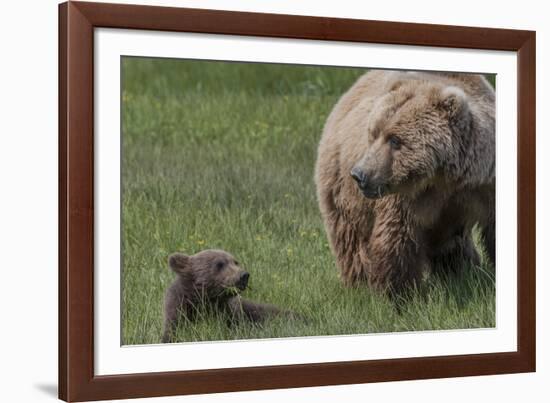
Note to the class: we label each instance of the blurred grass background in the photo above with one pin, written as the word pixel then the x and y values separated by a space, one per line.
pixel 221 155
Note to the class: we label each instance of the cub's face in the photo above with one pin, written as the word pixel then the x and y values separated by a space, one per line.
pixel 409 139
pixel 213 273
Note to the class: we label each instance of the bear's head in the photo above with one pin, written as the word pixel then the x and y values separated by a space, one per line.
pixel 415 136
pixel 210 274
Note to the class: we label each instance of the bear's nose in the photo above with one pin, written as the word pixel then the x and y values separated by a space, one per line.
pixel 244 277
pixel 358 175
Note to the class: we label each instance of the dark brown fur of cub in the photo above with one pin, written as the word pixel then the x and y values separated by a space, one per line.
pixel 212 279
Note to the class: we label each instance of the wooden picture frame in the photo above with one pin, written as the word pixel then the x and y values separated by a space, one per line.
pixel 77 21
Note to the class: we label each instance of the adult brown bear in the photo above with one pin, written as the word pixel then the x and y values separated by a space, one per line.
pixel 405 170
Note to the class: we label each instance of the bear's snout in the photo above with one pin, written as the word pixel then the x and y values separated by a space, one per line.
pixel 243 280
pixel 359 176
pixel 368 187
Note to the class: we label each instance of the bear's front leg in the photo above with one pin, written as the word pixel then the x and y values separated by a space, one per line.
pixel 456 254
pixel 171 322
pixel 176 307
pixel 396 254
pixel 169 330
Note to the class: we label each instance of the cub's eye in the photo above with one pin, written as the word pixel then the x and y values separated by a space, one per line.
pixel 395 143
pixel 236 263
pixel 219 265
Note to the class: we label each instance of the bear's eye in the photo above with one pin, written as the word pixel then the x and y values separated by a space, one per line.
pixel 236 263
pixel 219 265
pixel 395 143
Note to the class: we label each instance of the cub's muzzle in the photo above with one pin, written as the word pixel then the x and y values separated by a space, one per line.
pixel 243 281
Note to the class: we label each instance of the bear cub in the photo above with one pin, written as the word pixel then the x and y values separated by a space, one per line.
pixel 212 279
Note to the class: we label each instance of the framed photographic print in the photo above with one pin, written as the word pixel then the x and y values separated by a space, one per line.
pixel 255 201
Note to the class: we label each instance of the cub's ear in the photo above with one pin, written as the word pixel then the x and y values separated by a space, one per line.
pixel 454 102
pixel 178 262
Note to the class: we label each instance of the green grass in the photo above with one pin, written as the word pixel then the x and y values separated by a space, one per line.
pixel 221 155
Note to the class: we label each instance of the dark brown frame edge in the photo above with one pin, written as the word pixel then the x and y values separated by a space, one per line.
pixel 77 21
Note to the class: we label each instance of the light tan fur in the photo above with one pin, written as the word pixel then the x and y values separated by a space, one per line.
pixel 421 147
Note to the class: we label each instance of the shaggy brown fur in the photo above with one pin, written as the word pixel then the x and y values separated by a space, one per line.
pixel 212 279
pixel 406 168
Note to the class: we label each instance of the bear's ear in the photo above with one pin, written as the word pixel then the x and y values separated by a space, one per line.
pixel 453 101
pixel 178 262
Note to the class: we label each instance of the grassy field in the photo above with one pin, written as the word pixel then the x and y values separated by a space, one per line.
pixel 221 155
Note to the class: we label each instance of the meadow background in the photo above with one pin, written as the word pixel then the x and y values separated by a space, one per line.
pixel 221 155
